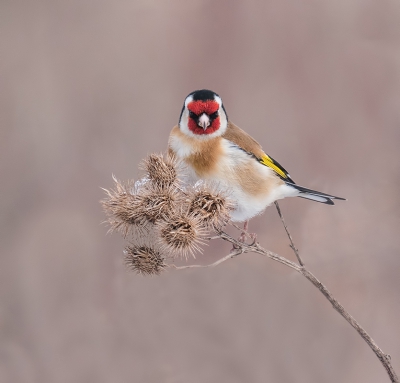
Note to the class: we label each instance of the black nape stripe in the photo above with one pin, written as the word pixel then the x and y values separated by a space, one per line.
pixel 180 116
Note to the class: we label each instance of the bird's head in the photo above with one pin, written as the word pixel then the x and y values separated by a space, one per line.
pixel 203 115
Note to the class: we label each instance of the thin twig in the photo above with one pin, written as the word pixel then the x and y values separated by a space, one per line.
pixel 384 358
pixel 229 256
pixel 236 226
pixel 211 238
pixel 296 251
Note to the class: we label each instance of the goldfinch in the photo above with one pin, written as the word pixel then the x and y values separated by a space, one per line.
pixel 214 149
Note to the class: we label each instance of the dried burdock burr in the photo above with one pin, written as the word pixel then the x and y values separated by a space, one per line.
pixel 144 260
pixel 161 169
pixel 159 202
pixel 124 207
pixel 180 235
pixel 210 205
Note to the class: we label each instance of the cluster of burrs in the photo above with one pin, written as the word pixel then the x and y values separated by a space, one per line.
pixel 163 215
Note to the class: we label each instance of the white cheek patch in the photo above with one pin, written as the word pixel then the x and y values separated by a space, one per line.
pixel 218 99
pixel 188 100
pixel 184 123
pixel 222 116
pixel 223 120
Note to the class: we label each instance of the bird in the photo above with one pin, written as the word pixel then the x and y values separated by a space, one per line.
pixel 214 149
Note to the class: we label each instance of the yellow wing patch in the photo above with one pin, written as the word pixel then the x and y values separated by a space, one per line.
pixel 268 161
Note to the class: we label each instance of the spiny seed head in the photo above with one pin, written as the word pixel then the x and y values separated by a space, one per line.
pixel 211 206
pixel 161 169
pixel 144 260
pixel 181 235
pixel 158 203
pixel 123 207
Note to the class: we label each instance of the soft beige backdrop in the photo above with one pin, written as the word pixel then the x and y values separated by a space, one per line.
pixel 88 88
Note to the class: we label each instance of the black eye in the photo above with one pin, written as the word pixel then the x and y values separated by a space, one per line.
pixel 214 115
pixel 192 115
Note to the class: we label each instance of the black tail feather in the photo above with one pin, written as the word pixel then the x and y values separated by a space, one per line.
pixel 315 195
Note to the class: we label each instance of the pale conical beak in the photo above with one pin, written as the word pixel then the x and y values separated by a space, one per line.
pixel 204 121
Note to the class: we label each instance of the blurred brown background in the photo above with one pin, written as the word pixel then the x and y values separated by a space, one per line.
pixel 88 88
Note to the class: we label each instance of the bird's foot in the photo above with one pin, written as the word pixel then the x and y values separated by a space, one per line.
pixel 244 235
pixel 253 237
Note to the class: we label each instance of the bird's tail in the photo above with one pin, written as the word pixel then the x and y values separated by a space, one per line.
pixel 315 195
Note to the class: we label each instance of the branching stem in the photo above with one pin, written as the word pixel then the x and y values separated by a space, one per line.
pixel 296 251
pixel 301 269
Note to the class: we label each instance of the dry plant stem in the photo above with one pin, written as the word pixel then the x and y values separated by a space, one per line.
pixel 256 248
pixel 229 256
pixel 296 251
pixel 338 307
pixel 384 358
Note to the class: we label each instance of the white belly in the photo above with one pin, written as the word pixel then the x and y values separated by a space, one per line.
pixel 248 206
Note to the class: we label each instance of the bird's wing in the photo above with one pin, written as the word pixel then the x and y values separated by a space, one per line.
pixel 244 141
